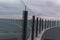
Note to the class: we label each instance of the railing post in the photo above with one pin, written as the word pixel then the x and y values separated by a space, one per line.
pixel 50 23
pixel 40 25
pixel 25 16
pixel 59 23
pixel 45 24
pixel 55 23
pixel 37 27
pixel 33 23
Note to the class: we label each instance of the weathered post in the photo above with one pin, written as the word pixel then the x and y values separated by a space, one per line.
pixel 25 16
pixel 40 25
pixel 50 23
pixel 45 24
pixel 57 23
pixel 37 27
pixel 33 23
pixel 53 23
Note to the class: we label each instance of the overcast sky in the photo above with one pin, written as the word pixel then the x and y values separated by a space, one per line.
pixel 13 8
pixel 44 7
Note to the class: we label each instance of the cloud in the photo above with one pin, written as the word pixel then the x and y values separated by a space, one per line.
pixel 35 7
pixel 11 8
pixel 44 7
pixel 9 1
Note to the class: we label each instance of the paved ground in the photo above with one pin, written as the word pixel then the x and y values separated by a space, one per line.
pixel 52 34
pixel 9 39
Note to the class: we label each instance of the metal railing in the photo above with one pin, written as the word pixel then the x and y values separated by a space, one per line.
pixel 40 25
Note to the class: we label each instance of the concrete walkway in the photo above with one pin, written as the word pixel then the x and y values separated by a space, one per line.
pixel 51 34
pixel 39 35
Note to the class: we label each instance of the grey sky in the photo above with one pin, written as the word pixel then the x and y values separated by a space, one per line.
pixel 44 7
pixel 11 8
pixel 14 8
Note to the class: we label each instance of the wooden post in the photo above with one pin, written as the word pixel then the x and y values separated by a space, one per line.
pixel 37 28
pixel 45 24
pixel 40 25
pixel 25 16
pixel 33 23
pixel 50 23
